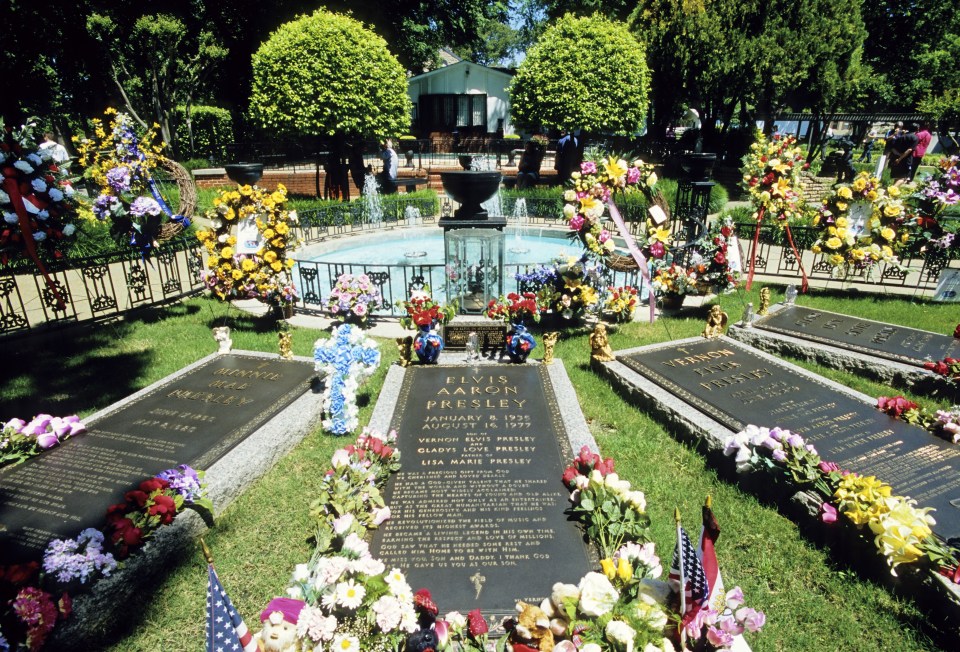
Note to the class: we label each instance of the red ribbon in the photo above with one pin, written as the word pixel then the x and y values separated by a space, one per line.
pixel 803 273
pixel 12 188
pixel 753 252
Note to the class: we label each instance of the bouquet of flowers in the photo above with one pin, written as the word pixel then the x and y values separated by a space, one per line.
pixel 37 203
pixel 675 280
pixel 718 628
pixel 771 176
pixel 344 359
pixel 711 261
pixel 422 310
pixel 863 223
pixel 82 559
pixel 567 287
pixel 20 440
pixel 122 164
pixel 592 188
pixel 514 308
pixel 353 298
pixel 264 275
pixel 933 196
pixel 620 302
pixel 156 502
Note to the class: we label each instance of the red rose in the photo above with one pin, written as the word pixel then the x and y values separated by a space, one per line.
pixel 153 484
pixel 423 602
pixel 476 624
pixel 138 497
pixel 387 451
pixel 18 574
pixel 569 475
pixel 165 508
pixel 956 331
pixel 520 647
pixel 725 231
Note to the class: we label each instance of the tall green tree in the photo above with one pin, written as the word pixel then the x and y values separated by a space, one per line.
pixel 156 65
pixel 327 74
pixel 589 73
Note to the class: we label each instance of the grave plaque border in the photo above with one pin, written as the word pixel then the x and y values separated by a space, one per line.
pixel 567 422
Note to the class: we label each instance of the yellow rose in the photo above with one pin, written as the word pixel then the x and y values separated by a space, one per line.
pixel 833 243
pixel 282 228
pixel 891 210
pixel 872 195
pixel 268 234
pixel 226 252
pixel 276 265
pixel 213 262
pixel 844 193
pixel 609 568
pixel 290 263
pixel 836 259
pixel 841 223
pixel 888 234
pixel 893 191
pixel 270 256
pixel 859 184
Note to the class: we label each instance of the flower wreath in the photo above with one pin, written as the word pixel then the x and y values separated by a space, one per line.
pixel 593 189
pixel 771 176
pixel 264 275
pixel 37 203
pixel 122 165
pixel 862 223
pixel 344 360
pixel 933 195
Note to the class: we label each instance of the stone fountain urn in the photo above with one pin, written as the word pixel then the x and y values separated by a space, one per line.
pixel 245 174
pixel 470 188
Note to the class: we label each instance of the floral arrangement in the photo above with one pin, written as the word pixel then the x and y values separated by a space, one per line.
pixel 592 189
pixel 948 367
pixel 422 310
pixel 155 502
pixel 28 613
pixel 567 287
pixel 862 223
pixel 771 176
pixel 673 279
pixel 20 440
pixel 944 423
pixel 621 302
pixel 901 531
pixel 353 298
pixel 37 203
pixel 622 519
pixel 514 308
pixel 719 628
pixel 933 195
pixel 122 164
pixel 344 360
pixel 264 275
pixel 711 263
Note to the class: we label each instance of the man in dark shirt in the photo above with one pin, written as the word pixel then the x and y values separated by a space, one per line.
pixel 568 156
pixel 900 151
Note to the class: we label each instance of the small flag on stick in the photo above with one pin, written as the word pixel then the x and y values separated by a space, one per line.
pixel 708 542
pixel 226 631
pixel 686 573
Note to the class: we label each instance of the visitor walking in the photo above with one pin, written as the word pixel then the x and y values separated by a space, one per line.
pixel 923 142
pixel 868 143
pixel 391 166
pixel 568 155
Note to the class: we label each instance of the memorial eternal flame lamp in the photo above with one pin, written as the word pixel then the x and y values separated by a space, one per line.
pixel 473 240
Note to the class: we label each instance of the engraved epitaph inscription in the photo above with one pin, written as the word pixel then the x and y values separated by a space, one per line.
pixel 194 419
pixel 737 387
pixel 477 509
pixel 899 343
pixel 491 337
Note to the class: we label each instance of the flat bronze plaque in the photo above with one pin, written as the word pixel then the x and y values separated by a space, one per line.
pixel 490 337
pixel 899 343
pixel 193 418
pixel 478 506
pixel 736 387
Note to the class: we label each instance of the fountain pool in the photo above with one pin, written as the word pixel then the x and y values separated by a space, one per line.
pixel 424 246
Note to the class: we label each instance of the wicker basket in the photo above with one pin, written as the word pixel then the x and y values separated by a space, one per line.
pixel 621 263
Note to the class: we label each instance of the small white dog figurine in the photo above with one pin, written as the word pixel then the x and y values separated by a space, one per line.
pixel 222 335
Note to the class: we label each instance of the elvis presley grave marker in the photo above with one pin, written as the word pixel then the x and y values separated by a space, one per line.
pixel 737 386
pixel 193 417
pixel 478 506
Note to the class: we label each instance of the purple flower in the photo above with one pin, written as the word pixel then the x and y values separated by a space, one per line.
pixel 796 441
pixel 734 598
pixel 752 619
pixel 828 467
pixel 119 179
pixel 730 625
pixel 143 206
pixel 588 167
pixel 828 513
pixel 102 206
pixel 779 456
pixel 719 638
pixel 184 480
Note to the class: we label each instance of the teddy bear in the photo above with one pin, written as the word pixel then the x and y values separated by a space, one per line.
pixel 531 629
pixel 279 633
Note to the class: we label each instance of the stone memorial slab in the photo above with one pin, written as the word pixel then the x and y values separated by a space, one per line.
pixel 899 343
pixel 478 506
pixel 191 418
pixel 735 386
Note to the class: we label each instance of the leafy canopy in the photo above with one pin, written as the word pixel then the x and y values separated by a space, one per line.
pixel 583 72
pixel 328 74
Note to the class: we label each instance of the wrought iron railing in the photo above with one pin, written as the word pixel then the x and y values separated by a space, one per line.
pixel 98 287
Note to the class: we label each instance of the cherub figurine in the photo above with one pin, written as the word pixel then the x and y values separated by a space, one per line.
pixel 286 345
pixel 405 347
pixel 599 344
pixel 716 322
pixel 549 341
pixel 764 301
pixel 222 335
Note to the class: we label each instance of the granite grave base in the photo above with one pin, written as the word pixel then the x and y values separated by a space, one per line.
pixel 99 613
pixel 478 507
pixel 818 336
pixel 707 428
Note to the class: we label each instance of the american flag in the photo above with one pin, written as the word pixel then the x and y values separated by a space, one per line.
pixel 687 572
pixel 708 552
pixel 226 631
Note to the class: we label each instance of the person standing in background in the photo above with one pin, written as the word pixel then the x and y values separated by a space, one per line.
pixel 923 142
pixel 391 167
pixel 568 155
pixel 57 151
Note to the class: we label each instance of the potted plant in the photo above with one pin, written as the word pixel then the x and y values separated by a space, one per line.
pixel 620 303
pixel 672 283
pixel 353 298
pixel 515 309
pixel 425 314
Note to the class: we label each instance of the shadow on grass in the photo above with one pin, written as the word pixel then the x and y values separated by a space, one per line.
pixel 69 371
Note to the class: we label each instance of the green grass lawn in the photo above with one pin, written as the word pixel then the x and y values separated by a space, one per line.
pixel 813 601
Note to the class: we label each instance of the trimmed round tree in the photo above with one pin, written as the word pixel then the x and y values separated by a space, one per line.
pixel 327 74
pixel 589 73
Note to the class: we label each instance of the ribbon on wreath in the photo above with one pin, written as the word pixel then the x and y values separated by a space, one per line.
pixel 753 252
pixel 637 255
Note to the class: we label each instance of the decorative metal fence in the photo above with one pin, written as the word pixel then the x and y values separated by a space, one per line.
pixel 98 287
